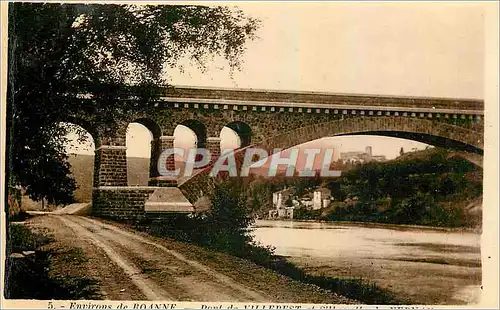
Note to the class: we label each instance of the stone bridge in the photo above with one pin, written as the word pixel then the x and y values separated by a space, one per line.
pixel 268 119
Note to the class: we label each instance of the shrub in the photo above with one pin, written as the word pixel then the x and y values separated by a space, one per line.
pixel 29 277
pixel 225 227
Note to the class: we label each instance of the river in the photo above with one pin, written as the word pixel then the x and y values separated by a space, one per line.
pixel 426 266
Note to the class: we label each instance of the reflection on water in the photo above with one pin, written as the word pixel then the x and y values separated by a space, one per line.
pixel 425 265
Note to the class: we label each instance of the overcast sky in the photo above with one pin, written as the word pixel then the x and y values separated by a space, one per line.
pixel 416 49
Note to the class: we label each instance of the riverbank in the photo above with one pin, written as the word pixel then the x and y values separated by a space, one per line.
pixel 401 227
pixel 429 188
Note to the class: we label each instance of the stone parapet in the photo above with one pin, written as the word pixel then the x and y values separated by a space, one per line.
pixel 312 99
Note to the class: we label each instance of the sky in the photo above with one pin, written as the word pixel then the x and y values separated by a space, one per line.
pixel 409 49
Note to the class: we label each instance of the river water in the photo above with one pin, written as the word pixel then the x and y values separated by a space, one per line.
pixel 423 265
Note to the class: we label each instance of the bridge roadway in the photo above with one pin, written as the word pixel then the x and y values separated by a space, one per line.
pixel 323 100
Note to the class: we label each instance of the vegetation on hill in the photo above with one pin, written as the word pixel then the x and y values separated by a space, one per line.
pixel 424 188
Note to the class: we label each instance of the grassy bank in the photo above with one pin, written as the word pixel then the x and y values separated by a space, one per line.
pixel 28 269
pixel 225 228
pixel 355 288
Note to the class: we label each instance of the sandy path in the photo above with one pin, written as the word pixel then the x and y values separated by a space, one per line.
pixel 158 272
pixel 74 257
pixel 147 287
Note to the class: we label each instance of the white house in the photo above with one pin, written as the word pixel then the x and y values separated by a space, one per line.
pixel 321 198
pixel 280 209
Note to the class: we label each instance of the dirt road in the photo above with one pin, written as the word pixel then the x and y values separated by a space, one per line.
pixel 179 278
pixel 130 265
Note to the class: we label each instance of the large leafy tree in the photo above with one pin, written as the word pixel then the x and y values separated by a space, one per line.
pixel 72 60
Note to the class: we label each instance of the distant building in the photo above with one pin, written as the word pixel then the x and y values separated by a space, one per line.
pixel 317 201
pixel 352 157
pixel 379 158
pixel 279 203
pixel 361 157
pixel 368 153
pixel 306 202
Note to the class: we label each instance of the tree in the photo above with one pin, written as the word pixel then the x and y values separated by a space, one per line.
pixel 57 52
pixel 228 221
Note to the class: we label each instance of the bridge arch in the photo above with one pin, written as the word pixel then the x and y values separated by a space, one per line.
pixel 87 126
pixel 151 125
pixel 80 145
pixel 418 129
pixel 423 130
pixel 199 129
pixel 239 131
pixel 243 130
pixel 152 143
pixel 78 138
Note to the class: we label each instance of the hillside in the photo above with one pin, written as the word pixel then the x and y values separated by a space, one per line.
pixel 82 168
pixel 427 187
pixel 83 172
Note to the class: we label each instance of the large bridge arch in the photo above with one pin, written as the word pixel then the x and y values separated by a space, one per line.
pixel 418 129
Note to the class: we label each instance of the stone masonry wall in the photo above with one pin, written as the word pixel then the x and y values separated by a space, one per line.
pixel 110 167
pixel 120 203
